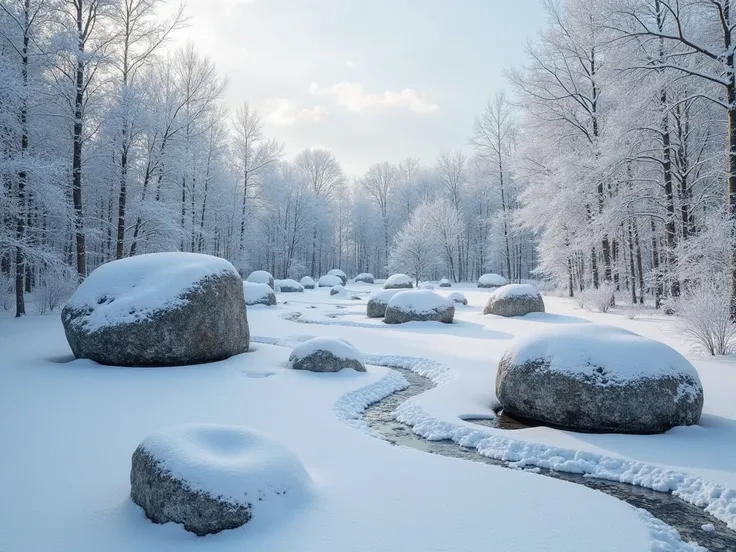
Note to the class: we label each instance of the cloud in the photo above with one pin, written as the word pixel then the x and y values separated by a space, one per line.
pixel 350 64
pixel 352 96
pixel 286 112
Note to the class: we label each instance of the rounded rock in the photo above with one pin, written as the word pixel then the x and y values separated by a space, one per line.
pixel 445 283
pixel 457 297
pixel 378 301
pixel 365 278
pixel 491 280
pixel 159 309
pixel 210 478
pixel 340 274
pixel 261 277
pixel 398 281
pixel 326 354
pixel 514 300
pixel 258 294
pixel 307 282
pixel 419 306
pixel 329 280
pixel 289 286
pixel 590 377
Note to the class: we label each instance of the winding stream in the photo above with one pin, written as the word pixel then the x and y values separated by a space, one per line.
pixel 686 518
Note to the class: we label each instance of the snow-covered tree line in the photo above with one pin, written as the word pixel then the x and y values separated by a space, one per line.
pixel 627 151
pixel 114 144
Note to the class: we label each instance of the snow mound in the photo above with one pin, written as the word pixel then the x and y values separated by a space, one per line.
pixel 132 290
pixel 444 282
pixel 365 277
pixel 515 290
pixel 307 282
pixel 426 285
pixel 398 281
pixel 420 301
pixel 492 280
pixel 338 290
pixel 261 277
pixel 340 274
pixel 419 306
pixel 258 294
pixel 339 348
pixel 457 297
pixel 580 350
pixel 330 280
pixel 289 286
pixel 211 477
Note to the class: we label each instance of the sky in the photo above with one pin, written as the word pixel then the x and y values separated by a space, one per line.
pixel 371 80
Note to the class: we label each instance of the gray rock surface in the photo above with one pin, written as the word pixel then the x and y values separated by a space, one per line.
pixel 165 499
pixel 325 361
pixel 397 315
pixel 647 405
pixel 377 303
pixel 514 305
pixel 445 283
pixel 457 297
pixel 211 324
pixel 365 277
pixel 290 286
pixel 307 282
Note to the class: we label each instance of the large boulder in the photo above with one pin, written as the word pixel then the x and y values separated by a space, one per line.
pixel 340 274
pixel 338 290
pixel 289 286
pixel 457 297
pixel 445 283
pixel 491 281
pixel 261 277
pixel 591 377
pixel 209 477
pixel 160 309
pixel 307 282
pixel 514 300
pixel 330 280
pixel 258 294
pixel 326 354
pixel 365 278
pixel 378 301
pixel 419 306
pixel 398 281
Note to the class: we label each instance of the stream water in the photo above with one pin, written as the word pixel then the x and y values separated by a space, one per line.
pixel 686 518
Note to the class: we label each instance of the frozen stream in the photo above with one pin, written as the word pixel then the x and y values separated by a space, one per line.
pixel 686 518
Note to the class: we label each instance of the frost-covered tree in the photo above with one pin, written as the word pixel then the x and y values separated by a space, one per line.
pixel 416 249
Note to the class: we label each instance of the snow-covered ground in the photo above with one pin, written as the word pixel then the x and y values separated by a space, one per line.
pixel 69 429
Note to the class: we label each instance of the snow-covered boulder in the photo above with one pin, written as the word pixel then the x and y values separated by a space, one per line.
pixel 593 377
pixel 307 282
pixel 378 301
pixel 289 286
pixel 419 306
pixel 326 354
pixel 160 309
pixel 340 274
pixel 330 280
pixel 210 477
pixel 398 281
pixel 261 277
pixel 426 285
pixel 491 281
pixel 365 277
pixel 457 297
pixel 258 294
pixel 445 283
pixel 514 300
pixel 337 290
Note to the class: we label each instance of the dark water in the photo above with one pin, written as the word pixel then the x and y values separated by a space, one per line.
pixel 686 518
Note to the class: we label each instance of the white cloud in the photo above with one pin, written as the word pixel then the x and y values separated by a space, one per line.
pixel 286 112
pixel 352 96
pixel 350 64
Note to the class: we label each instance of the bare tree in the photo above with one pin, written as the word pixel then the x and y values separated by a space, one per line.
pixel 380 183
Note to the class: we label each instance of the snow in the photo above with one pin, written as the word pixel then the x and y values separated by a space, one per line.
pixel 492 280
pixel 397 280
pixel 338 347
pixel 456 296
pixel 71 427
pixel 420 301
pixel 260 277
pixel 426 285
pixel 384 295
pixel 307 281
pixel 444 281
pixel 330 280
pixel 232 462
pixel 364 276
pixel 339 273
pixel 288 282
pixel 708 527
pixel 580 349
pixel 337 290
pixel 515 290
pixel 133 289
pixel 256 292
